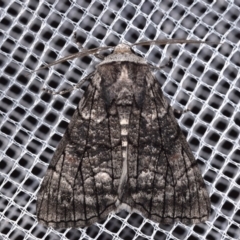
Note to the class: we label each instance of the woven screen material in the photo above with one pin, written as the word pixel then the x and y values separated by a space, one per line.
pixel 203 78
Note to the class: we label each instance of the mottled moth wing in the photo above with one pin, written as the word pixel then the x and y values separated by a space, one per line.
pixel 80 186
pixel 165 183
pixel 123 149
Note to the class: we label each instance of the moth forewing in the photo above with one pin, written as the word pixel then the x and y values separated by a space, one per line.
pixel 123 149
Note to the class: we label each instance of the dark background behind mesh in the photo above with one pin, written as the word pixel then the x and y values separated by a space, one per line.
pixel 203 78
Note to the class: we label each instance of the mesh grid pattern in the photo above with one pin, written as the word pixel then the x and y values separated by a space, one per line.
pixel 202 78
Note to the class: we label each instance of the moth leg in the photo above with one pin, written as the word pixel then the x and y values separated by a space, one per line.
pixel 76 41
pixel 79 85
pixel 180 112
pixel 163 66
pixel 58 92
pixel 97 55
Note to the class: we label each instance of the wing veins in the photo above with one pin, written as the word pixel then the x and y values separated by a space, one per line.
pixel 59 182
pixel 110 140
pixel 138 149
pixel 80 164
pixel 96 193
pixel 160 132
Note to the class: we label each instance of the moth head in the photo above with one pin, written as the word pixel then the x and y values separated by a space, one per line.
pixel 122 48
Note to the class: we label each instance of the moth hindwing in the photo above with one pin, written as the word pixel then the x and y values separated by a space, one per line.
pixel 123 149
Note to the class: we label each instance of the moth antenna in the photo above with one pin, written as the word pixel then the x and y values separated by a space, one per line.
pixel 72 56
pixel 171 41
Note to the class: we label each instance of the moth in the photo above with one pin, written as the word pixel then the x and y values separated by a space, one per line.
pixel 123 149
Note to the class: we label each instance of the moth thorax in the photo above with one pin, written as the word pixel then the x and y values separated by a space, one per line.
pixel 124 97
pixel 122 48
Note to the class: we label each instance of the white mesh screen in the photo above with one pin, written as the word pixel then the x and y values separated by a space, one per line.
pixel 203 78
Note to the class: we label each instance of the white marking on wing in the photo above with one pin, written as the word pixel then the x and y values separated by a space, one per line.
pixel 124 132
pixel 124 121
